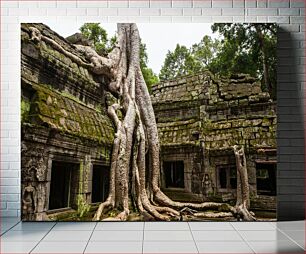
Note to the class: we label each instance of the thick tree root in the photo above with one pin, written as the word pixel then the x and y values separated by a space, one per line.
pixel 244 214
pixel 211 215
pixel 165 200
pixel 101 208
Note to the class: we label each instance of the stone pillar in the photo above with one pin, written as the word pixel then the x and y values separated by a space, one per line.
pixel 83 191
pixel 34 191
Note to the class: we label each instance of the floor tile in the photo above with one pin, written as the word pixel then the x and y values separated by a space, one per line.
pixel 69 236
pixel 290 225
pixel 167 236
pixel 60 247
pixel 3 230
pixel 114 247
pixel 166 226
pixel 253 225
pixel 216 236
pixel 17 247
pixel 273 235
pixel 33 226
pixel 120 226
pixel 301 243
pixel 8 224
pixel 276 247
pixel 63 226
pixel 106 236
pixel 223 247
pixel 206 226
pixel 4 226
pixel 23 236
pixel 9 220
pixel 296 235
pixel 169 247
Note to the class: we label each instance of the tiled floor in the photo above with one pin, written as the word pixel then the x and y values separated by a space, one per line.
pixel 152 237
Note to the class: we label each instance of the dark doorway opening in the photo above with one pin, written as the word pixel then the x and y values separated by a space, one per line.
pixel 266 179
pixel 233 177
pixel 62 176
pixel 100 183
pixel 174 174
pixel 227 177
pixel 222 178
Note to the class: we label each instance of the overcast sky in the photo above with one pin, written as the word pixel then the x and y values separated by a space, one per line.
pixel 158 37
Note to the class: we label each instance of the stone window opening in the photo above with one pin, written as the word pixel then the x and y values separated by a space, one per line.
pixel 235 111
pixel 174 174
pixel 266 179
pixel 226 177
pixel 195 136
pixel 64 185
pixel 100 183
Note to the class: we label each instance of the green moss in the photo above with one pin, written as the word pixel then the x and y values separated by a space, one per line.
pixel 207 126
pixel 25 110
pixel 67 113
pixel 64 63
pixel 83 207
pixel 266 121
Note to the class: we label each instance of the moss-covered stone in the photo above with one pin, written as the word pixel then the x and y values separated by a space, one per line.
pixel 25 110
pixel 78 119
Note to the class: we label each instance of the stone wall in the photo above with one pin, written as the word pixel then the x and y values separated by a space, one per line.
pixel 63 121
pixel 204 116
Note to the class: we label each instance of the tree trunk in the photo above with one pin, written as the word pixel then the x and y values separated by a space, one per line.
pixel 243 192
pixel 264 60
pixel 133 182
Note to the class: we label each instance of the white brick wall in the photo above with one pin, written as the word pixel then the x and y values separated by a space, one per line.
pixel 288 13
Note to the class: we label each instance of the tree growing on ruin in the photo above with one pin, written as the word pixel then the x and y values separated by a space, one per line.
pixel 98 36
pixel 136 135
pixel 134 182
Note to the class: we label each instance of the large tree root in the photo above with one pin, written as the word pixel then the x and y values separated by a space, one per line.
pixel 243 192
pixel 147 196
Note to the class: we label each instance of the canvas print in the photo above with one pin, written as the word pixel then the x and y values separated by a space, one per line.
pixel 148 122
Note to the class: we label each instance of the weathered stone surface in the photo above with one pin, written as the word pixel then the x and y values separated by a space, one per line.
pixel 64 120
pixel 201 117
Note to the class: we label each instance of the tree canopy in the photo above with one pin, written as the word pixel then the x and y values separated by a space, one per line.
pixel 98 36
pixel 248 48
pixel 241 48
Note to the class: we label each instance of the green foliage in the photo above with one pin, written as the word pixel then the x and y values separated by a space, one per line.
pixel 103 45
pixel 98 36
pixel 204 52
pixel 180 62
pixel 244 48
pixel 183 61
pixel 248 48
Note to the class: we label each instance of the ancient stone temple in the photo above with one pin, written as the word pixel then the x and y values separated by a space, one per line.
pixel 67 136
pixel 199 119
